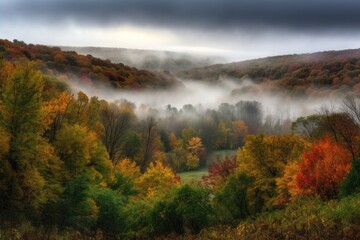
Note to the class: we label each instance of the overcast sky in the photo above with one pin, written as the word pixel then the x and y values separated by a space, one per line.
pixel 238 29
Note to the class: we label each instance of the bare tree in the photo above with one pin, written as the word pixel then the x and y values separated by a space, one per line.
pixel 116 123
pixel 150 145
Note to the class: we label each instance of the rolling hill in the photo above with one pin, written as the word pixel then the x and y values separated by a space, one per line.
pixel 85 69
pixel 322 73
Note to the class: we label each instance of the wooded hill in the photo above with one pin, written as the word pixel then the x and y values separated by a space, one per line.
pixel 322 73
pixel 85 69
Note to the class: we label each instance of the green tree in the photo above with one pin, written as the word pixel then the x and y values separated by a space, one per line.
pixel 351 183
pixel 233 202
pixel 29 160
pixel 82 152
pixel 186 210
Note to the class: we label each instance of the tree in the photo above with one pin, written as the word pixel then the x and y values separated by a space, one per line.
pixel 265 157
pixel 219 171
pixel 150 144
pixel 29 161
pixel 232 202
pixel 351 184
pixel 157 178
pixel 110 216
pixel 251 113
pixel 323 169
pixel 82 153
pixel 239 130
pixel 307 126
pixel 54 113
pixel 185 210
pixel 76 208
pixel 117 121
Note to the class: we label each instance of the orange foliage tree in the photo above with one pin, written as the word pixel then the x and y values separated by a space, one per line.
pixel 323 169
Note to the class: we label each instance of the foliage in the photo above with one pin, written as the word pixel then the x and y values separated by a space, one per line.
pixel 265 157
pixel 351 184
pixel 232 202
pixel 319 74
pixel 87 69
pixel 307 218
pixel 219 171
pixel 157 178
pixel 187 210
pixel 81 168
pixel 26 156
pixel 82 152
pixel 323 169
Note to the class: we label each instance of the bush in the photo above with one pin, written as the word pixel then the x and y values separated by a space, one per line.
pixel 186 210
pixel 307 218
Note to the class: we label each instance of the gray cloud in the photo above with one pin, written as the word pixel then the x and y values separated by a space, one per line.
pixel 306 15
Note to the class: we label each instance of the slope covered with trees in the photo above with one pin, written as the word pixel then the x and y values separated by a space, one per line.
pixel 323 73
pixel 85 70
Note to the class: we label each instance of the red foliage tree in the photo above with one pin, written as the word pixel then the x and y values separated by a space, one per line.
pixel 219 170
pixel 323 169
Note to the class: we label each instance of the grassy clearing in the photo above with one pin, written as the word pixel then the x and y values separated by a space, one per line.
pixel 195 175
pixel 192 176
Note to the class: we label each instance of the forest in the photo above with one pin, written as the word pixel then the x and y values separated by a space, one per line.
pixel 74 166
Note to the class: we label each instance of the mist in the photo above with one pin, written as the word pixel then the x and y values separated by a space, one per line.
pixel 202 96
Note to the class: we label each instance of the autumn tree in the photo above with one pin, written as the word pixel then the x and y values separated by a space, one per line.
pixel 323 169
pixel 218 172
pixel 82 153
pixel 85 111
pixel 54 112
pixel 265 157
pixel 157 178
pixel 28 160
pixel 238 132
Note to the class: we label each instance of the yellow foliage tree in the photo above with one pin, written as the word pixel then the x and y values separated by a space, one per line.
pixel 265 158
pixel 128 168
pixel 157 179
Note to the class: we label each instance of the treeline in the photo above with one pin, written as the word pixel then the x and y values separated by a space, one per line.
pixel 80 167
pixel 85 70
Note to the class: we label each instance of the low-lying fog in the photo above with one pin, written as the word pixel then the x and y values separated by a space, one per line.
pixel 209 96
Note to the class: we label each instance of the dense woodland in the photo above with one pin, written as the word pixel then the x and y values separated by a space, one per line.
pixel 78 167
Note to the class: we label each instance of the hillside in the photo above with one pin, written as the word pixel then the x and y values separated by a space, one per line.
pixel 85 69
pixel 149 59
pixel 333 72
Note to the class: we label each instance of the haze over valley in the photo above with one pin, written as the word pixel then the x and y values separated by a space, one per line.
pixel 179 119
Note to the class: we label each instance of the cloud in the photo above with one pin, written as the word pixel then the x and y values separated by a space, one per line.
pixel 306 15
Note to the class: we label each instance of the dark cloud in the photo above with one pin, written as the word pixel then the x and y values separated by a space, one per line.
pixel 218 14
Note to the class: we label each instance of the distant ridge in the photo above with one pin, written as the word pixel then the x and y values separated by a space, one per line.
pixel 329 72
pixel 152 60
